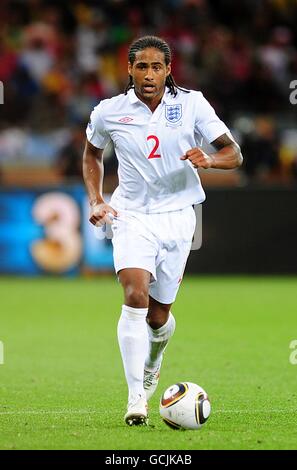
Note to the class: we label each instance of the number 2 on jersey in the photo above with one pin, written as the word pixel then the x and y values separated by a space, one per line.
pixel 157 143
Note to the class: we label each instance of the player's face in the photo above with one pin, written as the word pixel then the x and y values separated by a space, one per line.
pixel 149 72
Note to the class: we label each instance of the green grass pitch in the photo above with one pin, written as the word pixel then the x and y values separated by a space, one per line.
pixel 62 385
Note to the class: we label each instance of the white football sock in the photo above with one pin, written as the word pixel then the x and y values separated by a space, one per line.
pixel 133 342
pixel 158 340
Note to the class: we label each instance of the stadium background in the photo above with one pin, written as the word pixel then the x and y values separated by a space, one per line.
pixel 58 59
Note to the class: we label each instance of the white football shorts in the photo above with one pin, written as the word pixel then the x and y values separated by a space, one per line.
pixel 159 243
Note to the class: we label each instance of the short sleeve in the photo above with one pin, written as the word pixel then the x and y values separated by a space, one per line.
pixel 96 133
pixel 207 122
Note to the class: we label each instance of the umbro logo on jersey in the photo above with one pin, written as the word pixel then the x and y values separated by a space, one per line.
pixel 125 119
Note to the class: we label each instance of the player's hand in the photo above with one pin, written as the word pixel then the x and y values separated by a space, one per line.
pixel 198 158
pixel 101 214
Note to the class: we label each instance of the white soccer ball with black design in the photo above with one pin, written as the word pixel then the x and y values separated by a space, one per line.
pixel 185 405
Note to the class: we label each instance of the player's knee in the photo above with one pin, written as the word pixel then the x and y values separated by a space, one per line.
pixel 136 297
pixel 157 319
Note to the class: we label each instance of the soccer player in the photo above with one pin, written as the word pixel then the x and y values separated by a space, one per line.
pixel 157 129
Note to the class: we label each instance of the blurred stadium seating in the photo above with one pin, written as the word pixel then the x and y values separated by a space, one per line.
pixel 58 59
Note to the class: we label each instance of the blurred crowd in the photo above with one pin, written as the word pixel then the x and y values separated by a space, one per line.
pixel 58 59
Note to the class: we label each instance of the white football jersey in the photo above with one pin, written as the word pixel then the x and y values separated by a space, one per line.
pixel 148 146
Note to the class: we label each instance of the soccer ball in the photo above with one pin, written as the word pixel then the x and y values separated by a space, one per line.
pixel 184 405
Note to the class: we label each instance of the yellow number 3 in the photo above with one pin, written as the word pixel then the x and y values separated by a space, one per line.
pixel 61 249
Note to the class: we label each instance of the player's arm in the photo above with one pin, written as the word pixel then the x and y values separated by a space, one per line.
pixel 228 153
pixel 93 172
pixel 227 157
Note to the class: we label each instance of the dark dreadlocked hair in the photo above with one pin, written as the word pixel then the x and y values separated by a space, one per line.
pixel 157 43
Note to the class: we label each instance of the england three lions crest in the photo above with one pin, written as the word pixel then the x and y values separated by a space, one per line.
pixel 173 112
